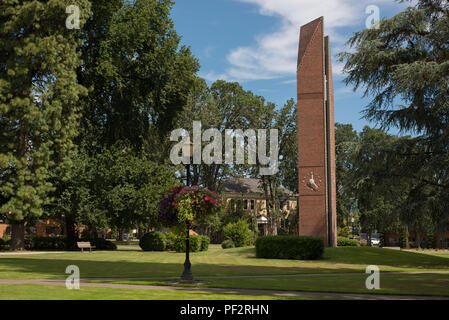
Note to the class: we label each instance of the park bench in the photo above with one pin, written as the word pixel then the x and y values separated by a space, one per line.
pixel 85 245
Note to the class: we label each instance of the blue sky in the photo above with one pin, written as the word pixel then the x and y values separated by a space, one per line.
pixel 255 42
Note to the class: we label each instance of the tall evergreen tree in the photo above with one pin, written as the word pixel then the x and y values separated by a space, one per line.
pixel 346 145
pixel 38 103
pixel 404 66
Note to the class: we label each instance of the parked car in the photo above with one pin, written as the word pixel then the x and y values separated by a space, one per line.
pixel 375 239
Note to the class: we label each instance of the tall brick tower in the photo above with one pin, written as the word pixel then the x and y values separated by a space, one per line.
pixel 316 136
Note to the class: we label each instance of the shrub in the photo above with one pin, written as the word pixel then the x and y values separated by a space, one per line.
pixel 205 240
pixel 289 247
pixel 170 238
pixel 227 244
pixel 45 243
pixel 29 243
pixel 345 242
pixel 194 244
pixel 38 243
pixel 100 243
pixel 50 243
pixel 103 244
pixel 153 241
pixel 4 244
pixel 238 232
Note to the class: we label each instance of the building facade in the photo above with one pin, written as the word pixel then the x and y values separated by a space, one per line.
pixel 252 197
pixel 42 228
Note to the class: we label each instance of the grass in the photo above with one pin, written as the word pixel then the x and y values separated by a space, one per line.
pixel 131 262
pixel 42 292
pixel 394 284
pixel 132 245
pixel 239 261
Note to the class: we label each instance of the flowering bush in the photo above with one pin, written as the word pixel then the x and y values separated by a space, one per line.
pixel 187 204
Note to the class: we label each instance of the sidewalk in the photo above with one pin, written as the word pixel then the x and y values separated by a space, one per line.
pixel 326 295
pixel 25 253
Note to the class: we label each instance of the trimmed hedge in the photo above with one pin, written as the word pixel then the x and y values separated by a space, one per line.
pixel 101 244
pixel 38 243
pixel 153 241
pixel 345 242
pixel 205 240
pixel 194 244
pixel 170 241
pixel 228 244
pixel 49 243
pixel 4 244
pixel 289 247
pixel 56 243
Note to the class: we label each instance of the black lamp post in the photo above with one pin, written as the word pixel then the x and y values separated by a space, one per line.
pixel 187 275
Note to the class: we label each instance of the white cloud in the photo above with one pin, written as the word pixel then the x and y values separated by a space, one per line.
pixel 213 76
pixel 274 55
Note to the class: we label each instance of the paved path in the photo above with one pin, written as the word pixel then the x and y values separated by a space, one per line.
pixel 25 253
pixel 268 276
pixel 328 295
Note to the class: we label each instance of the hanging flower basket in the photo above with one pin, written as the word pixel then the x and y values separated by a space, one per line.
pixel 184 205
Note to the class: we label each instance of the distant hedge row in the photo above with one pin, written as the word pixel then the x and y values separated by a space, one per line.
pixel 345 242
pixel 56 243
pixel 289 247
pixel 158 241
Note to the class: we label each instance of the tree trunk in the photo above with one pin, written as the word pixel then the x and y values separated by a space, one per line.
pixel 71 232
pixel 407 242
pixel 274 213
pixel 17 236
pixel 418 240
pixel 437 240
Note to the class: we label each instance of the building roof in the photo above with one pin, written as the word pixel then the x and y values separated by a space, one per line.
pixel 248 185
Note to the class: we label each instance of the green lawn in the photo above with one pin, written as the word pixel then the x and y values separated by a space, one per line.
pixel 240 261
pixel 130 262
pixel 403 284
pixel 41 292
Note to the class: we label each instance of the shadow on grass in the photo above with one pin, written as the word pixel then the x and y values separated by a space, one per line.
pixel 366 256
pixel 35 268
pixel 230 262
pixel 382 256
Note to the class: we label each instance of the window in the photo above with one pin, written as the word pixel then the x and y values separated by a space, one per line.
pixel 253 204
pixel 245 204
pixel 52 231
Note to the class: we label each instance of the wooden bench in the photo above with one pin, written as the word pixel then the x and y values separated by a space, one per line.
pixel 85 245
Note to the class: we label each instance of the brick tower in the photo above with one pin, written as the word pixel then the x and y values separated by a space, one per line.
pixel 316 136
